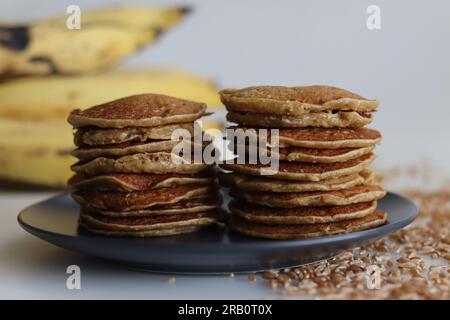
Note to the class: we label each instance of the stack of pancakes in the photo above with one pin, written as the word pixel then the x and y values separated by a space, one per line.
pixel 126 180
pixel 323 185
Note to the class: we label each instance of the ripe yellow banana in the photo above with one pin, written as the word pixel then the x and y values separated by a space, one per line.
pixel 105 37
pixel 36 152
pixel 56 96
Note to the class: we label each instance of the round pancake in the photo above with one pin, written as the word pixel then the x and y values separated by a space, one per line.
pixel 322 155
pixel 302 215
pixel 144 110
pixel 362 193
pixel 340 119
pixel 148 233
pixel 252 183
pixel 304 171
pixel 158 163
pixel 119 201
pixel 294 100
pixel 147 223
pixel 164 229
pixel 93 136
pixel 123 149
pixel 127 182
pixel 315 155
pixel 198 204
pixel 261 230
pixel 325 138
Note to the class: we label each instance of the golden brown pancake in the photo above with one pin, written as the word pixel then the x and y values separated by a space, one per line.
pixel 321 155
pixel 197 204
pixel 127 182
pixel 294 100
pixel 362 193
pixel 147 233
pixel 324 138
pixel 310 154
pixel 253 183
pixel 304 171
pixel 341 119
pixel 130 148
pixel 123 149
pixel 146 226
pixel 301 215
pixel 157 163
pixel 299 231
pixel 119 201
pixel 147 223
pixel 145 110
pixel 93 136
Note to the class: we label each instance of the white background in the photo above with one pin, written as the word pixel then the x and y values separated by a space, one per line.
pixel 405 65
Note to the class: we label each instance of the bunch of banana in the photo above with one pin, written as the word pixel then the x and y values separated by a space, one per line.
pixel 35 139
pixel 106 36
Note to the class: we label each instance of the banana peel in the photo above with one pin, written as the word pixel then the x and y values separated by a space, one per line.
pixel 55 96
pixel 106 36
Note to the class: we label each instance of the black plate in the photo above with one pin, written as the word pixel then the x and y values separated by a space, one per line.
pixel 212 250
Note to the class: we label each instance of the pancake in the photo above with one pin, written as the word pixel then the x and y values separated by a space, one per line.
pixel 252 183
pixel 127 182
pixel 93 136
pixel 326 138
pixel 148 226
pixel 304 171
pixel 158 163
pixel 130 148
pixel 144 110
pixel 362 193
pixel 315 155
pixel 148 233
pixel 294 100
pixel 261 230
pixel 302 215
pixel 322 155
pixel 147 223
pixel 341 119
pixel 123 149
pixel 119 201
pixel 197 204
